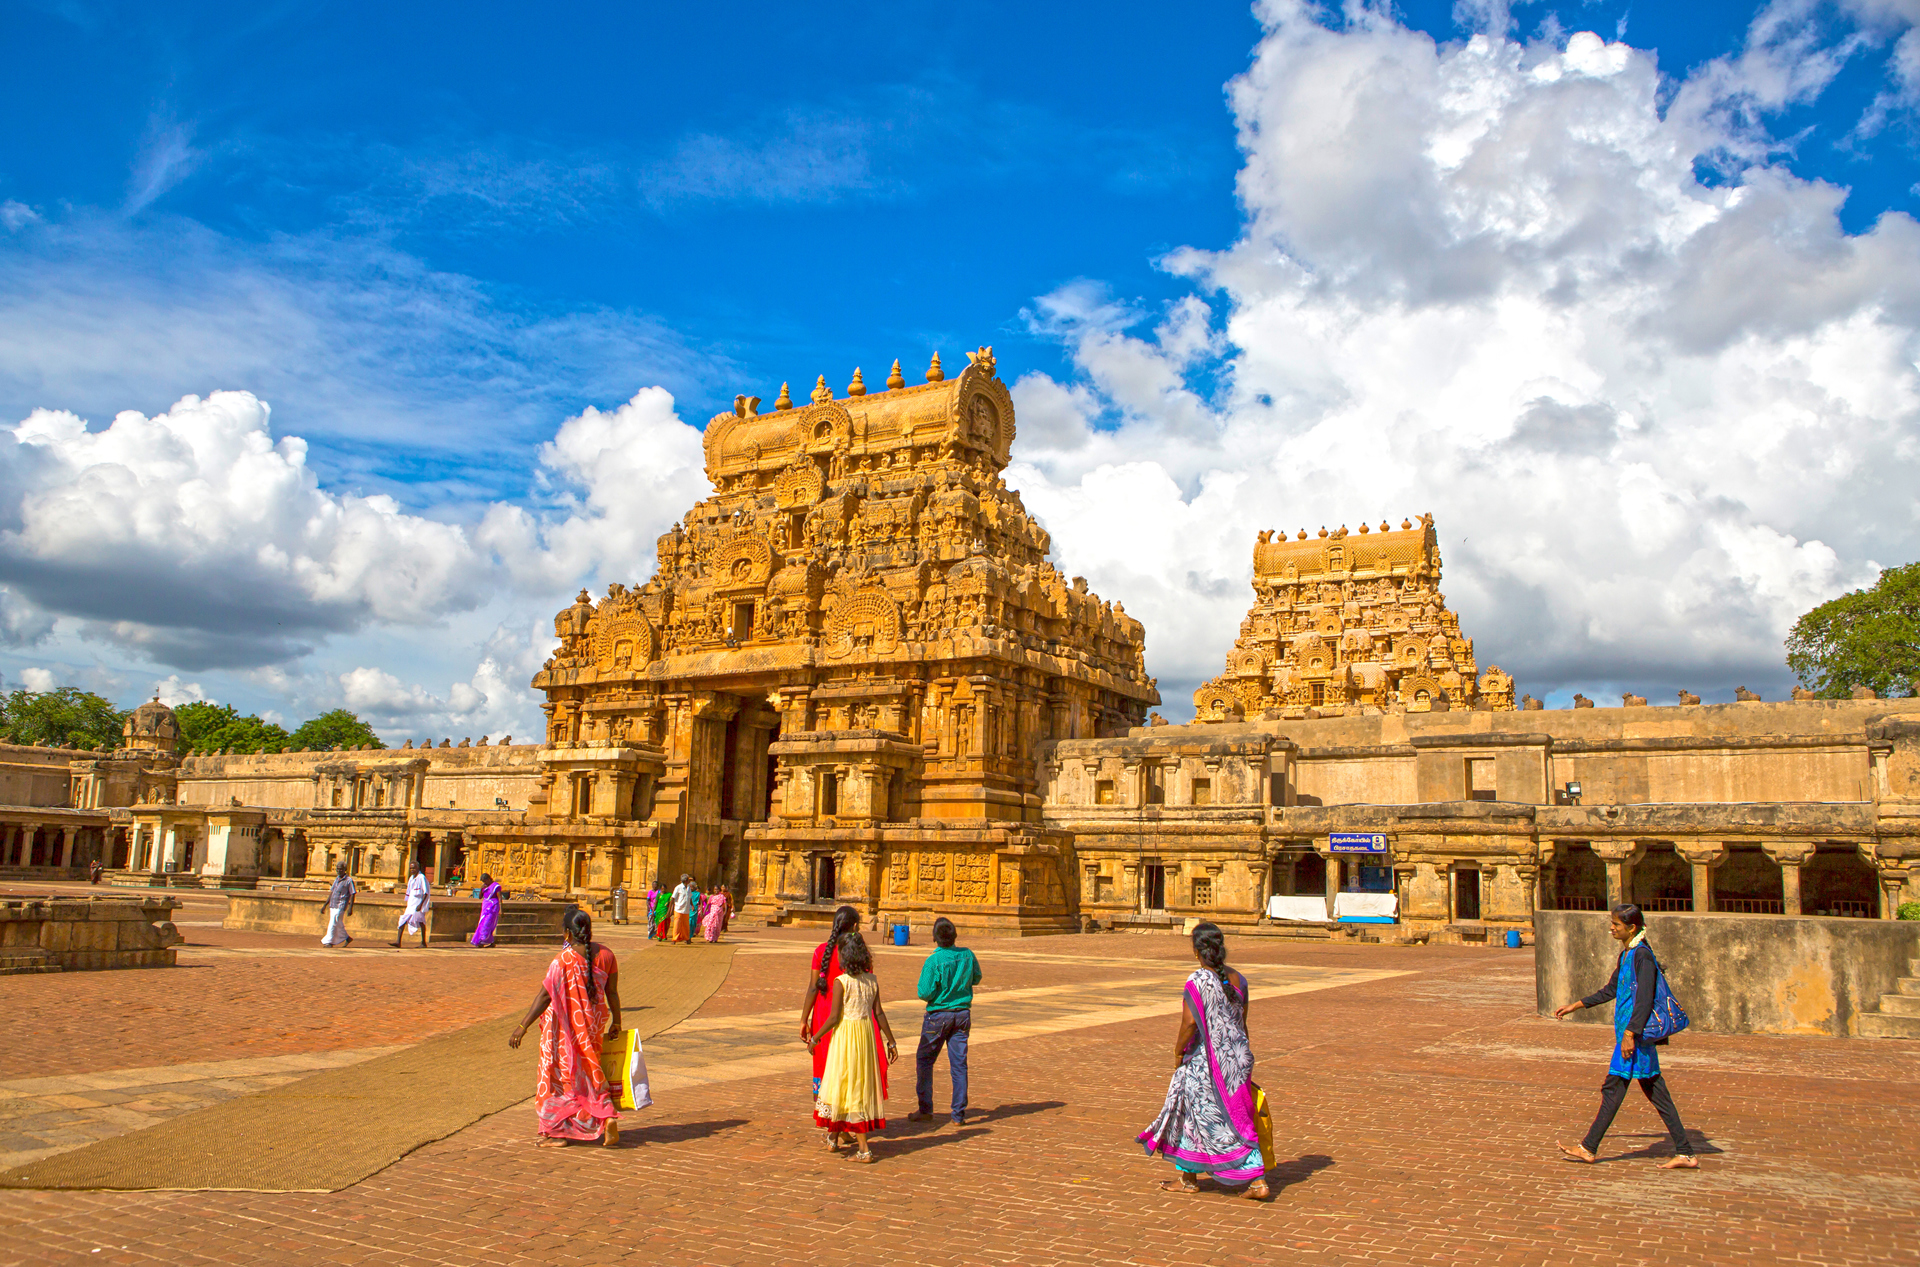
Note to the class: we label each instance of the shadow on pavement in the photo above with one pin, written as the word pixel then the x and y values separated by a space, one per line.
pixel 900 1146
pixel 677 1133
pixel 1299 1170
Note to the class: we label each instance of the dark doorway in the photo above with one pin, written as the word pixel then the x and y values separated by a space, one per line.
pixel 1466 896
pixel 1838 881
pixel 120 849
pixel 1153 887
pixel 1309 875
pixel 423 853
pixel 1580 878
pixel 729 761
pixel 1748 883
pixel 1663 880
pixel 825 879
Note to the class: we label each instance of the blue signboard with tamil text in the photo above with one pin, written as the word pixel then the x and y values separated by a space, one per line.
pixel 1356 842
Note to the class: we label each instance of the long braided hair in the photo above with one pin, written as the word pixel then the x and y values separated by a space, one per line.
pixel 1210 944
pixel 845 920
pixel 579 927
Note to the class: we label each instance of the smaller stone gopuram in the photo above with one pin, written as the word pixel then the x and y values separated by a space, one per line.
pixel 1350 622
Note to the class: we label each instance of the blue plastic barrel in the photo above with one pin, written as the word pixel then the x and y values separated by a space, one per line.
pixel 900 934
pixel 1513 939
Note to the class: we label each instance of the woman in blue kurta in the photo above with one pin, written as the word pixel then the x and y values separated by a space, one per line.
pixel 1632 990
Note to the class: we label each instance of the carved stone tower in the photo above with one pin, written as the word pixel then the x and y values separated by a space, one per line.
pixel 832 689
pixel 1349 623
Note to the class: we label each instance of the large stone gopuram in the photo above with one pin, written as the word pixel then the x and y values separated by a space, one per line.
pixel 1350 622
pixel 833 688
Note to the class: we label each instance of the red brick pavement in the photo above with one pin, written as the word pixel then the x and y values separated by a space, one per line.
pixel 1417 1117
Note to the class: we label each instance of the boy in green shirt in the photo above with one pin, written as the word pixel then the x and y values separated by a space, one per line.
pixel 946 984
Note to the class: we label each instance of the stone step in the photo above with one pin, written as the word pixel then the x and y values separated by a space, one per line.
pixel 21 960
pixel 1879 1025
pixel 1907 985
pixel 1899 1005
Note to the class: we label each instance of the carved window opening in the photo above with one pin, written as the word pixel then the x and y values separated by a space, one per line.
pixel 379 797
pixel 1480 779
pixel 1203 791
pixel 1202 891
pixel 825 879
pixel 1276 789
pixel 742 620
pixel 1156 787
pixel 829 793
pixel 1317 692
pixel 1103 888
pixel 1103 792
pixel 336 798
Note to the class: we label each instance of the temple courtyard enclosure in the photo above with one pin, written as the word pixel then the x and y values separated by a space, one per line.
pixel 1417 1100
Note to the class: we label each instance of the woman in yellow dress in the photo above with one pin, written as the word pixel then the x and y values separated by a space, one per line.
pixel 853 1087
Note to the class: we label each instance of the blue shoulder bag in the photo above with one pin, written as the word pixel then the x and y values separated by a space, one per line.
pixel 1668 1017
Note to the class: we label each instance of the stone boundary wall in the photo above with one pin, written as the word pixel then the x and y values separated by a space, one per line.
pixel 455 778
pixel 1735 974
pixel 376 915
pixel 83 934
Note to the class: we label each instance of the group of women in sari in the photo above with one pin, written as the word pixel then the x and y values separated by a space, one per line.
pixel 712 912
pixel 1213 1125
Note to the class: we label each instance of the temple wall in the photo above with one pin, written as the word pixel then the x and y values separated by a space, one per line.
pixel 37 776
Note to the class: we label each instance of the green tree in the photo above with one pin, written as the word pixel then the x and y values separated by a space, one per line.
pixel 66 718
pixel 1870 637
pixel 336 729
pixel 207 727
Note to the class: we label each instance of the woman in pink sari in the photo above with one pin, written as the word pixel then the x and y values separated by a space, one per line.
pixel 579 1000
pixel 714 908
pixel 1209 1126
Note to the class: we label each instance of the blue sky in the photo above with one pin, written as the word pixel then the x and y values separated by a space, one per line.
pixel 429 237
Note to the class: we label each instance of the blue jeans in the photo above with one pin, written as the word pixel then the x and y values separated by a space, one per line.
pixel 949 1030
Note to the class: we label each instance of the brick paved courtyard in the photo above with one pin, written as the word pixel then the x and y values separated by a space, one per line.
pixel 1417 1104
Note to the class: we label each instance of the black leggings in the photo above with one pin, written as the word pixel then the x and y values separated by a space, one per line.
pixel 1614 1090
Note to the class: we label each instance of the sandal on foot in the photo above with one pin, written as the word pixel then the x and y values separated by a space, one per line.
pixel 864 1157
pixel 1179 1185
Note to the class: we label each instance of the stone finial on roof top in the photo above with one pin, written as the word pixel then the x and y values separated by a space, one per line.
pixel 934 373
pixel 858 387
pixel 785 399
pixel 895 379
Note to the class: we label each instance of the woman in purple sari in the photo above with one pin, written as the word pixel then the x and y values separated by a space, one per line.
pixel 1209 1124
pixel 490 894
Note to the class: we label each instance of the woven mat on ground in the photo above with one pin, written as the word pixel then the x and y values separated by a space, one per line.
pixel 330 1130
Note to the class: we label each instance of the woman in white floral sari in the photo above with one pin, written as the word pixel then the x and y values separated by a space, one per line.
pixel 1209 1124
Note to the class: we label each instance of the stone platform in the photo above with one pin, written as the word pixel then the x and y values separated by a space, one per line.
pixel 376 915
pixel 1745 974
pixel 78 934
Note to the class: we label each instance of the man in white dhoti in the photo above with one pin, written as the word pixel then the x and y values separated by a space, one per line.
pixel 339 906
pixel 419 902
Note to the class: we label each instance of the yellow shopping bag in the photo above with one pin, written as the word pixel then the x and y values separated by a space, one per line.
pixel 1263 1121
pixel 625 1065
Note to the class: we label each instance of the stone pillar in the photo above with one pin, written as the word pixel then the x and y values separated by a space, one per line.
pixel 1333 880
pixel 1545 852
pixel 1619 857
pixel 1791 855
pixel 66 847
pixel 1705 856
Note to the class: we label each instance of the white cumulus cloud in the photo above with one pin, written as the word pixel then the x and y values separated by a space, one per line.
pixel 1656 419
